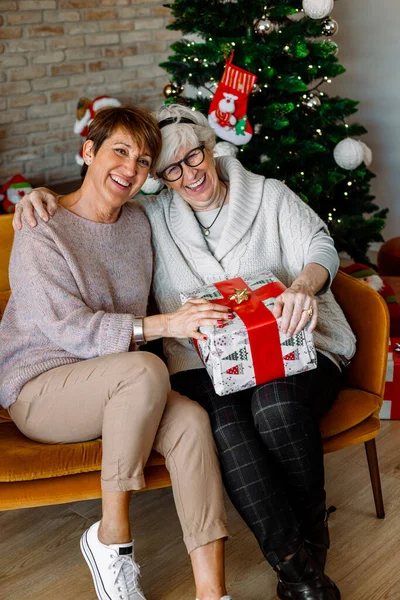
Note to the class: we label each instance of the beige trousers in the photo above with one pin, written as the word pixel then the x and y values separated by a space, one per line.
pixel 126 399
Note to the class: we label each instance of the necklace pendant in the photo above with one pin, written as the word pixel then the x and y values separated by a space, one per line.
pixel 206 232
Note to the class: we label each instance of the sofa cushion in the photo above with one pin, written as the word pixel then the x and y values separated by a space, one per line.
pixel 23 459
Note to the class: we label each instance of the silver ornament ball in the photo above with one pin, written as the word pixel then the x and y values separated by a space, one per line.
pixel 311 101
pixel 263 26
pixel 330 27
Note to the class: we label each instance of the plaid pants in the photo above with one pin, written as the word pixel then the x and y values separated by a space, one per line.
pixel 270 450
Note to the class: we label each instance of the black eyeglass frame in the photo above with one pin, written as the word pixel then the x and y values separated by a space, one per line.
pixel 179 164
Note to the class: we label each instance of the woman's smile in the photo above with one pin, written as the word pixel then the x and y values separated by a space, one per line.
pixel 120 182
pixel 199 185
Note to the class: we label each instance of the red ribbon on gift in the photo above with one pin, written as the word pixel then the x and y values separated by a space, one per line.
pixel 265 349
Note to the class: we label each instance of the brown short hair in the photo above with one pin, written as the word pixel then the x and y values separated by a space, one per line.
pixel 138 122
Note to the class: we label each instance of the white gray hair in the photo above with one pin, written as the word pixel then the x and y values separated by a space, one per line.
pixel 177 136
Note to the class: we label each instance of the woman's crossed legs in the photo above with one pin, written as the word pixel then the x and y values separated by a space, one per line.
pixel 270 450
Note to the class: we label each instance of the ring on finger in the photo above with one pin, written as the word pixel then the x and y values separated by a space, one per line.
pixel 309 310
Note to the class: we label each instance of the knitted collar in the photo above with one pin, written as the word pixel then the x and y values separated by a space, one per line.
pixel 245 195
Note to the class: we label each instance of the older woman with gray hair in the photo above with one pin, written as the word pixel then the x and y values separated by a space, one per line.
pixel 215 221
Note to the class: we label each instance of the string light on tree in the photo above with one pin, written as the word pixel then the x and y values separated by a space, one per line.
pixel 318 9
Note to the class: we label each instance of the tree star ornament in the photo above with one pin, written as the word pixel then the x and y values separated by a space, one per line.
pixel 349 154
pixel 318 9
pixel 330 27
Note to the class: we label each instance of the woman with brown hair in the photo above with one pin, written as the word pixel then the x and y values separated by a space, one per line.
pixel 70 363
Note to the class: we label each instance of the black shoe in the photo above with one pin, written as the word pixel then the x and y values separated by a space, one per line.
pixel 317 541
pixel 300 578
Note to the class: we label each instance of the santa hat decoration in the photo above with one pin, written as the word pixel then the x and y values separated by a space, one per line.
pixel 367 274
pixel 371 278
pixel 86 112
pixel 12 191
pixel 81 126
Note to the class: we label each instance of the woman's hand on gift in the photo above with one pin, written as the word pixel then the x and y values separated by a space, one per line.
pixel 186 321
pixel 297 306
pixel 42 200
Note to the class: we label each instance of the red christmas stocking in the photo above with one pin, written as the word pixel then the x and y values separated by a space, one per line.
pixel 228 108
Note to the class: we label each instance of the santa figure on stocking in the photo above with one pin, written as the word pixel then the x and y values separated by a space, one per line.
pixel 227 112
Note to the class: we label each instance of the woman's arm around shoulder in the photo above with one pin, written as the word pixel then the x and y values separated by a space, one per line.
pixel 41 200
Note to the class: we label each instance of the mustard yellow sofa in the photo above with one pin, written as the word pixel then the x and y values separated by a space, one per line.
pixel 34 474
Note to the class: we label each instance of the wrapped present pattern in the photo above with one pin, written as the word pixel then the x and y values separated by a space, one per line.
pixel 391 403
pixel 250 349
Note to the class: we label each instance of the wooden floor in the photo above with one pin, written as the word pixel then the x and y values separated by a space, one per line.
pixel 40 557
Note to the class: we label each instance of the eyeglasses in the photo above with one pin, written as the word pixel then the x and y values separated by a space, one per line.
pixel 193 158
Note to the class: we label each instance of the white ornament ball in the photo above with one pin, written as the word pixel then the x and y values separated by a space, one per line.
pixel 348 154
pixel 318 9
pixel 225 149
pixel 151 186
pixel 367 154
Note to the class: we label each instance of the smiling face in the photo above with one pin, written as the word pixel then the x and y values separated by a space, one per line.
pixel 199 186
pixel 118 169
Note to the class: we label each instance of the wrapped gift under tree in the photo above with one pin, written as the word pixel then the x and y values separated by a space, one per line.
pixel 250 349
pixel 391 403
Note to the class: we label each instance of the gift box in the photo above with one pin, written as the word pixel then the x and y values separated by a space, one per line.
pixel 250 349
pixel 391 403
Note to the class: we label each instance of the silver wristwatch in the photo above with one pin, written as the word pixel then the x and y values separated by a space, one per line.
pixel 138 334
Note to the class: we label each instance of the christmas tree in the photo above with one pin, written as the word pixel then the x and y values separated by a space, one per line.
pixel 300 133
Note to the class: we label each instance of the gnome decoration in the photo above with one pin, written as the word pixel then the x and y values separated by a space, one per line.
pixel 85 113
pixel 227 113
pixel 371 278
pixel 12 191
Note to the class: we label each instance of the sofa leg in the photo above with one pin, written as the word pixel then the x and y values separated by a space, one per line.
pixel 372 458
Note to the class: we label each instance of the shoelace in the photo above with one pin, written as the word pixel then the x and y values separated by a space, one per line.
pixel 126 574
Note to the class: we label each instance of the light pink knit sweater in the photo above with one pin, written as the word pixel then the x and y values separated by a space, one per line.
pixel 76 286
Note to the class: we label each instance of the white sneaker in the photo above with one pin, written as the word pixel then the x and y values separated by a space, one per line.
pixel 114 571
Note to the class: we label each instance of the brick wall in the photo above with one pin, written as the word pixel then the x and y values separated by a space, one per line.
pixel 52 52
